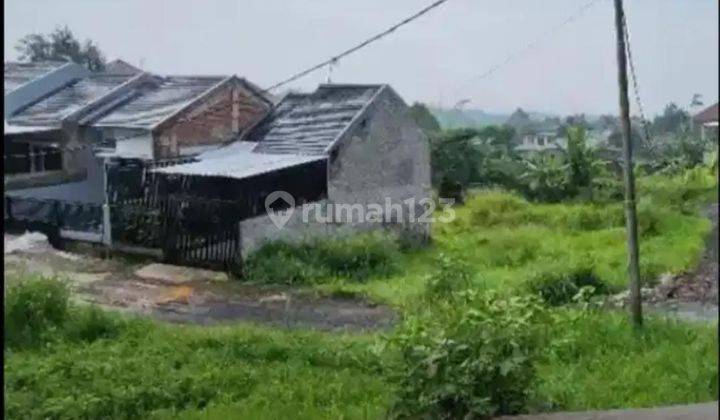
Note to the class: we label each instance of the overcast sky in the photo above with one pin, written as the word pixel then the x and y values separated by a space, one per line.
pixel 435 59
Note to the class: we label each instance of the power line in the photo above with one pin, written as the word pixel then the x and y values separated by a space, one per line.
pixel 636 90
pixel 334 60
pixel 516 54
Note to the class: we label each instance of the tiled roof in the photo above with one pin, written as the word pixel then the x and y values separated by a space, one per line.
pixel 50 110
pixel 148 108
pixel 17 74
pixel 307 124
pixel 709 114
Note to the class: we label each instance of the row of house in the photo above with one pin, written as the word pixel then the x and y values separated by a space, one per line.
pixel 547 136
pixel 73 136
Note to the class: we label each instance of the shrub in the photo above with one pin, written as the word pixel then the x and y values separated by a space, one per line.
pixel 494 208
pixel 450 276
pixel 559 288
pixel 475 359
pixel 90 323
pixel 357 257
pixel 35 308
pixel 281 262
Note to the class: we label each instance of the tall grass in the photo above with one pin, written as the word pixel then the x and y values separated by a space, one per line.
pixel 316 260
pixel 67 361
pixel 597 361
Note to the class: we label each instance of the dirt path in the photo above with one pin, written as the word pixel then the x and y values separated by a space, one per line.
pixel 187 295
pixel 692 295
pixel 707 411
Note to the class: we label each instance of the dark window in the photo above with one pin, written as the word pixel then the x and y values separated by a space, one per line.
pixel 17 158
pixel 53 159
pixel 107 143
pixel 25 158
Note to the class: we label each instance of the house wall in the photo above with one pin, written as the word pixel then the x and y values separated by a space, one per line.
pixel 383 155
pixel 88 188
pixel 216 120
pixel 72 168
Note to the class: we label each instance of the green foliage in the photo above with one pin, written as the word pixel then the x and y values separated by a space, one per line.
pixel 424 119
pixel 465 346
pixel 582 163
pixel 90 323
pixel 450 275
pixel 673 120
pixel 60 45
pixel 152 370
pixel 35 308
pixel 546 177
pixel 596 360
pixel 509 239
pixel 455 162
pixel 560 288
pixel 38 312
pixel 475 359
pixel 356 257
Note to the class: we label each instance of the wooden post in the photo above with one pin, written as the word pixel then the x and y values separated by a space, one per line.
pixel 630 212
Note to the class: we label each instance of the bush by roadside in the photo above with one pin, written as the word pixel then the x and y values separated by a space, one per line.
pixel 474 358
pixel 356 257
pixel 37 311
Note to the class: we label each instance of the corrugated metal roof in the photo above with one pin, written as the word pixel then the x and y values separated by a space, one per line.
pixel 17 74
pixel 307 124
pixel 51 110
pixel 154 105
pixel 24 129
pixel 238 161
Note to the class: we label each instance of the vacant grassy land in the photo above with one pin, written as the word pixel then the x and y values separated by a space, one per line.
pixel 509 241
pixel 67 361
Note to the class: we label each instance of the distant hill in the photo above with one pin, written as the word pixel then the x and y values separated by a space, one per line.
pixel 457 118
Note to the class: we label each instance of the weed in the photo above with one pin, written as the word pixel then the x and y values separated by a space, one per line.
pixel 35 308
pixel 356 257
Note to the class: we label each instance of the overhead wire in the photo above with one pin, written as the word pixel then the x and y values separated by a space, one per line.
pixel 334 60
pixel 636 89
pixel 535 43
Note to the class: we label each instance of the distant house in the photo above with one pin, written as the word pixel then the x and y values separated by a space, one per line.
pixel 707 121
pixel 545 142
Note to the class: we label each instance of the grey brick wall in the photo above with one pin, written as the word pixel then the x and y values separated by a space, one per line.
pixel 382 156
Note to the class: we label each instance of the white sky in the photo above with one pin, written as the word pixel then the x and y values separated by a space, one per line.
pixel 434 59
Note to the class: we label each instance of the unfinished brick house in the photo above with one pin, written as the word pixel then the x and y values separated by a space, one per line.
pixel 342 144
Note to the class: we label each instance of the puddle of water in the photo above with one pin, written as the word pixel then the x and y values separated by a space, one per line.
pixel 689 311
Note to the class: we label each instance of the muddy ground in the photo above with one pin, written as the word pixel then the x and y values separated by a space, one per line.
pixel 186 295
pixel 692 295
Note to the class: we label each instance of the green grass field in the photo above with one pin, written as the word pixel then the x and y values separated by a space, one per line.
pixel 97 365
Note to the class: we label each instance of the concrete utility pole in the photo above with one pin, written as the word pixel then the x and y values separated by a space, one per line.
pixel 630 213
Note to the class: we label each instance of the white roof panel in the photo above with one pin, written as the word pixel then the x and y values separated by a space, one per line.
pixel 237 161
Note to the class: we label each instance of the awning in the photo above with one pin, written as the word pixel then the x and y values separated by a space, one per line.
pixel 244 180
pixel 238 162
